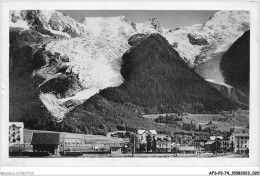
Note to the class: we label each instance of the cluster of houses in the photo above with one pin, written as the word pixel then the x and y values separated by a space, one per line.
pixel 145 141
pixel 236 143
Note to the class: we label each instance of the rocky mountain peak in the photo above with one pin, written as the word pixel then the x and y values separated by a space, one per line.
pixel 47 22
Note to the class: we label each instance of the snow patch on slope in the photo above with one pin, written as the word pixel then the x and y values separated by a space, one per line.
pixel 19 24
pixel 220 83
pixel 52 103
pixel 82 96
pixel 108 26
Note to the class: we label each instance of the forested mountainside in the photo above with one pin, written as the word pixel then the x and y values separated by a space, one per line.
pixel 236 64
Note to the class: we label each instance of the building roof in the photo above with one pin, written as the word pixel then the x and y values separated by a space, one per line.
pixel 210 142
pixel 214 137
pixel 187 148
pixel 115 146
pixel 143 131
pixel 240 134
pixel 17 124
pixel 46 138
pixel 140 131
pixel 153 131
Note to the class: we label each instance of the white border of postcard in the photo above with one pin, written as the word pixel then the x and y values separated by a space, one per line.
pixel 252 161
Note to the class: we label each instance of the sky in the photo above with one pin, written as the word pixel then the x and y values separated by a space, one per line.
pixel 167 18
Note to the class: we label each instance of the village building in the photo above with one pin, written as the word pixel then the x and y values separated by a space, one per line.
pixel 239 142
pixel 46 142
pixel 212 146
pixel 142 135
pixel 225 144
pixel 187 150
pixel 159 142
pixel 163 146
pixel 16 133
pixel 115 150
pixel 199 143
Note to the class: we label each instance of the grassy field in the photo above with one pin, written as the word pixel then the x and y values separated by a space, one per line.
pixel 238 119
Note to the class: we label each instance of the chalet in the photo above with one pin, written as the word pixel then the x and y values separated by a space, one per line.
pixel 46 142
pixel 16 133
pixel 142 135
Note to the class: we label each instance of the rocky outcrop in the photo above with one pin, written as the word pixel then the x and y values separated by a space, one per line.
pixel 155 23
pixel 50 23
pixel 62 85
pixel 196 40
pixel 137 39
pixel 23 52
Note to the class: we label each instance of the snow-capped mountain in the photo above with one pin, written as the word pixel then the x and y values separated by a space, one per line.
pixel 88 54
pixel 218 34
pixel 150 26
pixel 220 31
pixel 46 22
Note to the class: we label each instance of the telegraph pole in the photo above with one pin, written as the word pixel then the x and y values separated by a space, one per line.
pixel 216 139
pixel 133 151
pixel 63 146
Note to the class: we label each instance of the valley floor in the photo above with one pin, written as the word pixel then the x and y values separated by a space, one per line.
pixel 238 119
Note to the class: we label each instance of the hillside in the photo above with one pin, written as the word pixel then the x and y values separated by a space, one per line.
pixel 156 80
pixel 235 64
pixel 156 77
